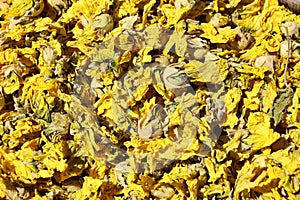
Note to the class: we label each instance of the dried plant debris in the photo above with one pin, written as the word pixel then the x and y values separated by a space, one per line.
pixel 145 99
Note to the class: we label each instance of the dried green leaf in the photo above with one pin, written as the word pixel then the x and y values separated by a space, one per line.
pixel 281 102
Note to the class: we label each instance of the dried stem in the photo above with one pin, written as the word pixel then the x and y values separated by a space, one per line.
pixel 287 59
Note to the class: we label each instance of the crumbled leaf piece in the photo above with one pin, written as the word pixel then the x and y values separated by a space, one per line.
pixel 146 11
pixel 261 133
pixel 171 15
pixel 256 71
pixel 232 98
pixel 249 177
pixel 11 83
pixel 89 188
pixel 289 160
pixel 18 8
pixel 269 93
pixel 20 170
pixel 282 100
pixel 217 35
pixel 203 72
pixel 180 43
pixel 215 171
pixel 252 101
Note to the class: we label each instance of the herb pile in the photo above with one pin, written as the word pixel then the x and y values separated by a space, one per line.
pixel 146 99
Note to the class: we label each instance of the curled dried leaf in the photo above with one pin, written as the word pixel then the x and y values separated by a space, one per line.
pixel 49 55
pixel 218 20
pixel 153 124
pixel 268 61
pixel 290 28
pixel 103 24
pixel 31 8
pixel 197 47
pixel 119 171
pixel 244 40
pixel 174 79
pixel 164 192
pixel 128 22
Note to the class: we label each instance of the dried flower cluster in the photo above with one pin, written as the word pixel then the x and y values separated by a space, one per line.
pixel 148 99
